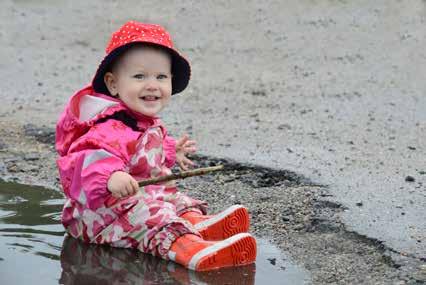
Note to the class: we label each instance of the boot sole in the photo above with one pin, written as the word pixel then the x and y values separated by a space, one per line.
pixel 237 250
pixel 232 221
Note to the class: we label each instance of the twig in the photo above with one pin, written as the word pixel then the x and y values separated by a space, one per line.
pixel 180 175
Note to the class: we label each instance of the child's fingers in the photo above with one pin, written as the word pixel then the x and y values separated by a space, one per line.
pixel 127 188
pixel 187 163
pixel 132 187
pixel 190 146
pixel 182 165
pixel 180 142
pixel 190 149
pixel 126 191
pixel 190 143
pixel 135 186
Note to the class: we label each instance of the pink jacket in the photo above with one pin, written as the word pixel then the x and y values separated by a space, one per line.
pixel 91 148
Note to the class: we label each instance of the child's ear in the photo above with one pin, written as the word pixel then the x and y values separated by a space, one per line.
pixel 111 83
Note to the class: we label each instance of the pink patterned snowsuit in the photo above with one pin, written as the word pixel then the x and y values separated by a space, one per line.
pixel 92 144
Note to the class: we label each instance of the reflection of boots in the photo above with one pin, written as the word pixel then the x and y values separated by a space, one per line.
pixel 227 223
pixel 197 254
pixel 230 275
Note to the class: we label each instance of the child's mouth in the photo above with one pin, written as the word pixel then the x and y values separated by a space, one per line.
pixel 150 98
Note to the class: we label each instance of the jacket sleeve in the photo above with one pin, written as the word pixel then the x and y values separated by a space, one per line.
pixel 85 170
pixel 169 147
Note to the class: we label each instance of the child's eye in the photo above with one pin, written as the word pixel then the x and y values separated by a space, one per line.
pixel 162 76
pixel 139 76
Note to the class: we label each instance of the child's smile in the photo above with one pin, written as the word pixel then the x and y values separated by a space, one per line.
pixel 150 98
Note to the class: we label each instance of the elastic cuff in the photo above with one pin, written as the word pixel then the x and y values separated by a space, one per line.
pixel 172 232
pixel 191 209
pixel 201 208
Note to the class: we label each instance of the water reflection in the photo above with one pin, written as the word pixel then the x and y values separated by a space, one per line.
pixel 31 235
pixel 92 264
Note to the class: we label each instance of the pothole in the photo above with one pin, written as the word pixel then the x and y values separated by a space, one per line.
pixel 254 175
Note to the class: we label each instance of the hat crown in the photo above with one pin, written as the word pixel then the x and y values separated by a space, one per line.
pixel 133 31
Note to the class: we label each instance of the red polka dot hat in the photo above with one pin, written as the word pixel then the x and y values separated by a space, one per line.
pixel 132 33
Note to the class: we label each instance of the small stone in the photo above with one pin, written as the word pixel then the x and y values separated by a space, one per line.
pixel 13 168
pixel 420 275
pixel 16 200
pixel 299 227
pixel 2 145
pixel 32 156
pixel 273 261
pixel 284 127
pixel 410 178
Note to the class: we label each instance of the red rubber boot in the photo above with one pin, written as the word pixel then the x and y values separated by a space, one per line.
pixel 225 224
pixel 197 254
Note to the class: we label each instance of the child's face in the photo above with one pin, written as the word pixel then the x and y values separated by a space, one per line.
pixel 142 79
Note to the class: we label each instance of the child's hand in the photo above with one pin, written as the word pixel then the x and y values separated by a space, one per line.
pixel 183 147
pixel 122 184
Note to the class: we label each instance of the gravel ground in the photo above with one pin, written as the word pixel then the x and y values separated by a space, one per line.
pixel 286 208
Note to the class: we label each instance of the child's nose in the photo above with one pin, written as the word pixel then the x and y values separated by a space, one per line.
pixel 151 84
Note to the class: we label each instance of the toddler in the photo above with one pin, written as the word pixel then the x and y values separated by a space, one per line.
pixel 109 137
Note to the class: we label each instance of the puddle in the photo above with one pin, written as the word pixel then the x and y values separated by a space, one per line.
pixel 33 246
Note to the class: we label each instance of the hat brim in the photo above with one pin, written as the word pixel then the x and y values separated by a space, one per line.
pixel 181 69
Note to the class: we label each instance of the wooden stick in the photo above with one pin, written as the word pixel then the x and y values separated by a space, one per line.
pixel 180 175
